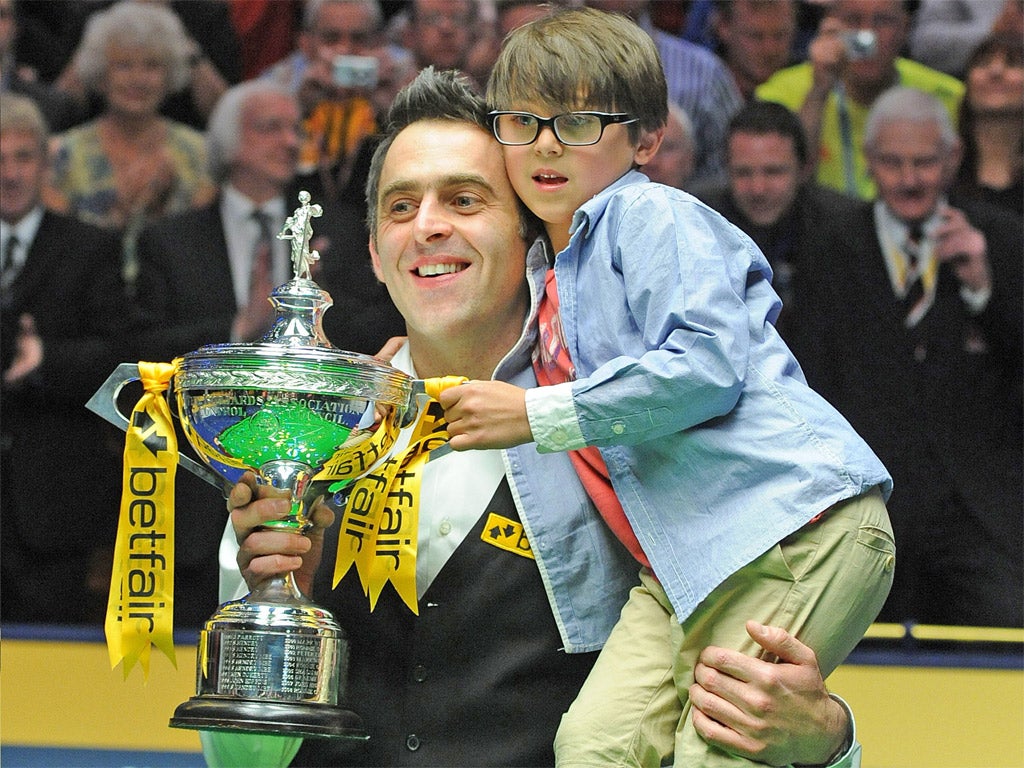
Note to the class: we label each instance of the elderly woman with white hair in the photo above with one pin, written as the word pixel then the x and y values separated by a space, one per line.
pixel 131 165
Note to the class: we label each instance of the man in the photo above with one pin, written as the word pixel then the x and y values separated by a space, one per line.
pixel 504 636
pixel 755 39
pixel 442 33
pixel 770 195
pixel 853 59
pixel 918 322
pixel 340 103
pixel 198 267
pixel 205 277
pixel 65 319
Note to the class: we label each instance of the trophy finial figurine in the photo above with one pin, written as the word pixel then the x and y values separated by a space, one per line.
pixel 299 229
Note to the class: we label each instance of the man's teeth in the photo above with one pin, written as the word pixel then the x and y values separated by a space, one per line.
pixel 439 269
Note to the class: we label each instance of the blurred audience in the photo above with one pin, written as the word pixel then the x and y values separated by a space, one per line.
pixel 64 322
pixel 918 313
pixel 59 109
pixel 755 39
pixel 771 195
pixel 341 98
pixel 451 34
pixel 698 81
pixel 673 163
pixel 214 59
pixel 945 32
pixel 266 31
pixel 130 165
pixel 199 273
pixel 992 124
pixel 853 59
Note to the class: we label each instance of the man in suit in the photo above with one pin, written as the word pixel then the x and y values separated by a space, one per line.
pixel 205 277
pixel 918 316
pixel 199 275
pixel 771 195
pixel 63 309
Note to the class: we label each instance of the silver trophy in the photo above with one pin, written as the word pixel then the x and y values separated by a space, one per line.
pixel 306 417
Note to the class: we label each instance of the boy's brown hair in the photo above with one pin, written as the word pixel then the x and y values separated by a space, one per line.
pixel 579 59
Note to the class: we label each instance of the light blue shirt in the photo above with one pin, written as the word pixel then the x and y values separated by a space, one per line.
pixel 716 447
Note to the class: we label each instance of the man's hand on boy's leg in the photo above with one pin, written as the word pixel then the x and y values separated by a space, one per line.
pixel 773 712
pixel 486 414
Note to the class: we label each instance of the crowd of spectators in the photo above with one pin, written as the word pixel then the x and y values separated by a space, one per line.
pixel 165 123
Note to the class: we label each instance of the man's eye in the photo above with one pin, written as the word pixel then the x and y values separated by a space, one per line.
pixel 400 208
pixel 524 121
pixel 464 201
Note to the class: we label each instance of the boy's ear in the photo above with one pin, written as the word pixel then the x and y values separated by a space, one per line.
pixel 648 146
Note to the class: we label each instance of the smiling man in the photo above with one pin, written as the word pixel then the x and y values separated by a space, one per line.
pixel 918 320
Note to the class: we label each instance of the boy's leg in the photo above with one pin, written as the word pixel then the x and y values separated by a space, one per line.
pixel 825 583
pixel 627 711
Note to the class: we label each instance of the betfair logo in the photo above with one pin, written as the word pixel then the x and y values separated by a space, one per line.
pixel 149 431
pixel 506 534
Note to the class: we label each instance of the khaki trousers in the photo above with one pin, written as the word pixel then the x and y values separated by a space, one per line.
pixel 825 583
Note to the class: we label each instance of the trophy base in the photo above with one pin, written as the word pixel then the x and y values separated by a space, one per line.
pixel 204 713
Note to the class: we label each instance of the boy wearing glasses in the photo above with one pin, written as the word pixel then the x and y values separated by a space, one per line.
pixel 738 490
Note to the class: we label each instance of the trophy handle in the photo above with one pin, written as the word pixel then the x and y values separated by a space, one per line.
pixel 104 404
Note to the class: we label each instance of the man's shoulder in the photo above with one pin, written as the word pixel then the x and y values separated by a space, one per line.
pixel 914 74
pixel 788 86
pixel 202 222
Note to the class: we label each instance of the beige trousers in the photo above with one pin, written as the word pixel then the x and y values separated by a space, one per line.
pixel 825 583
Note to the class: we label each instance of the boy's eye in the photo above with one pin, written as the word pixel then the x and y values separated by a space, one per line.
pixel 523 121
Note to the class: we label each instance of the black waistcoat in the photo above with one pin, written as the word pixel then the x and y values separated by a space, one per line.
pixel 477 679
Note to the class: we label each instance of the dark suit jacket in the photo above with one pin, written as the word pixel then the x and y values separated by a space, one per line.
pixel 941 406
pixel 60 481
pixel 185 287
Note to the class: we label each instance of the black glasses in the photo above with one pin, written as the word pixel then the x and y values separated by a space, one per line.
pixel 573 129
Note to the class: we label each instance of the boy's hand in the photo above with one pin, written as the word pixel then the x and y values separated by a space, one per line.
pixel 775 713
pixel 486 414
pixel 265 552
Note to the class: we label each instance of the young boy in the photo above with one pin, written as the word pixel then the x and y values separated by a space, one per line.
pixel 686 415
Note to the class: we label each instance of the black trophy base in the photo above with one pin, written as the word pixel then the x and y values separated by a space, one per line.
pixel 205 713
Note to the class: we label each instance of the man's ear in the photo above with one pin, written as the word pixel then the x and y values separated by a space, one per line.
pixel 648 146
pixel 375 260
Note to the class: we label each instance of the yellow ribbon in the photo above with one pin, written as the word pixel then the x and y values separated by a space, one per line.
pixel 380 523
pixel 140 607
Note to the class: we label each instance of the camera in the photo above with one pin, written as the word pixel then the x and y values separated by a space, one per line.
pixel 860 44
pixel 355 72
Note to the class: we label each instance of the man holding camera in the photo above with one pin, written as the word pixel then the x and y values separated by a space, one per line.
pixel 344 73
pixel 851 61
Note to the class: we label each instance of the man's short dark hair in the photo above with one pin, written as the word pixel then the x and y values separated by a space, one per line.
pixel 762 117
pixel 433 95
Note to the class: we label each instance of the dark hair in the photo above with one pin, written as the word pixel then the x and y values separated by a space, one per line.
pixel 1012 48
pixel 433 95
pixel 763 117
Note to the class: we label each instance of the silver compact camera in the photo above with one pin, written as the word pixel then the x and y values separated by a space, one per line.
pixel 860 44
pixel 355 72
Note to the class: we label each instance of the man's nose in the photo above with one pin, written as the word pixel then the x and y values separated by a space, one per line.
pixel 432 222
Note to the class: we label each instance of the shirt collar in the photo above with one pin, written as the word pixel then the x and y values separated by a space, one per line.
pixel 239 207
pixel 25 229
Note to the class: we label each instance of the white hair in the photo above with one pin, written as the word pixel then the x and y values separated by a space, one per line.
pixel 901 104
pixel 224 127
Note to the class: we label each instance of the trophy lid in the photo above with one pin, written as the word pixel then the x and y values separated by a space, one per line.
pixel 295 355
